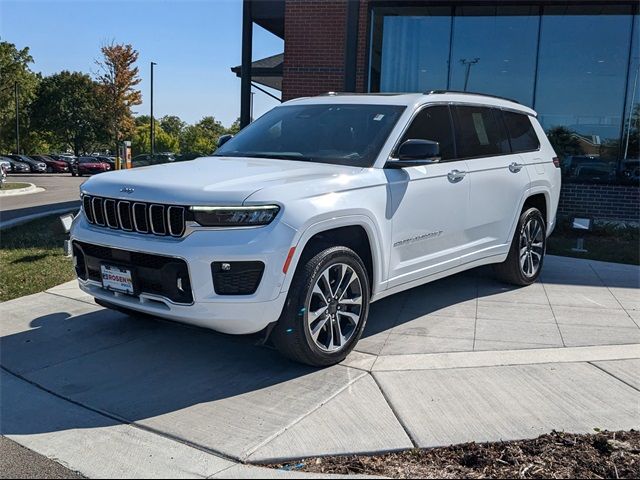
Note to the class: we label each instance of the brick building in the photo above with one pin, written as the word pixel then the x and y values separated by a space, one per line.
pixel 576 62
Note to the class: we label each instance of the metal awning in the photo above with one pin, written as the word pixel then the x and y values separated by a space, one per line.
pixel 266 71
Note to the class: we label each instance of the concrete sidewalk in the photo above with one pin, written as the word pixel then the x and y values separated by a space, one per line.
pixel 462 359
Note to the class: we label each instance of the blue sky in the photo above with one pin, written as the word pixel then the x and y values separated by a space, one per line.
pixel 194 43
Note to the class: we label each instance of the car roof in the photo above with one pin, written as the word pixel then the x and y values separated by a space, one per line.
pixel 413 99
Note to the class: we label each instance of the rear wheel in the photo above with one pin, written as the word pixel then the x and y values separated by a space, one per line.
pixel 526 255
pixel 326 309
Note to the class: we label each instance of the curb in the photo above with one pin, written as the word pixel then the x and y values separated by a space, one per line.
pixel 17 221
pixel 21 191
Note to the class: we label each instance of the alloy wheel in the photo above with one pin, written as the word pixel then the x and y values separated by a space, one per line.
pixel 334 308
pixel 531 247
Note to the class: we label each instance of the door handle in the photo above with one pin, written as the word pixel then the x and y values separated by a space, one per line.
pixel 515 167
pixel 455 176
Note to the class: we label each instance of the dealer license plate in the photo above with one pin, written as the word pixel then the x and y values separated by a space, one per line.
pixel 117 279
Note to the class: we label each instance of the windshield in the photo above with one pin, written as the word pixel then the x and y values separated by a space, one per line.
pixel 348 134
pixel 88 160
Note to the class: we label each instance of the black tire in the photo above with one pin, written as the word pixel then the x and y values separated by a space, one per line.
pixel 292 336
pixel 49 170
pixel 512 270
pixel 73 174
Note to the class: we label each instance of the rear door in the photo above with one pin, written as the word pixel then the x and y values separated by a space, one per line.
pixel 498 180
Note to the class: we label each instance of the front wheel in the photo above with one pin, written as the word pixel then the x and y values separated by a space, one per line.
pixel 326 309
pixel 526 255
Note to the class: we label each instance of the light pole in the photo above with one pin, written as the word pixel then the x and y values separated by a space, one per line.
pixel 17 120
pixel 153 129
pixel 252 94
pixel 468 64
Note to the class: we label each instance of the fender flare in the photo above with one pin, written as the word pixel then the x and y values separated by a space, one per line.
pixel 349 220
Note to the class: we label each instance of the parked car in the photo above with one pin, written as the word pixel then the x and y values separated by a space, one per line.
pixel 110 160
pixel 53 166
pixel 5 164
pixel 16 166
pixel 321 206
pixel 35 166
pixel 66 158
pixel 88 166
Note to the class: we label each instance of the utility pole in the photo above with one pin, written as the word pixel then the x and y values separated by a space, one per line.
pixel 153 129
pixel 468 64
pixel 245 71
pixel 17 120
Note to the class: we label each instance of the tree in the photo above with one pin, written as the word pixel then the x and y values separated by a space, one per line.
pixel 172 125
pixel 564 141
pixel 201 138
pixel 68 107
pixel 234 128
pixel 141 142
pixel 14 69
pixel 118 78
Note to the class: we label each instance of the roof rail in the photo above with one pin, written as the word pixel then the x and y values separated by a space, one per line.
pixel 431 92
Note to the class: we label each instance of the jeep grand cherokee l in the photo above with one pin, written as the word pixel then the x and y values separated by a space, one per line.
pixel 318 208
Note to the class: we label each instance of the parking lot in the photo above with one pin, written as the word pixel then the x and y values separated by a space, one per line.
pixel 462 359
pixel 61 191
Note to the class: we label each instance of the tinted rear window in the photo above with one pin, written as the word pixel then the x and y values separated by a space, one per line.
pixel 523 136
pixel 479 133
pixel 433 123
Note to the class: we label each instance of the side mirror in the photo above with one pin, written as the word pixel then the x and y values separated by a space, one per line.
pixel 413 153
pixel 224 139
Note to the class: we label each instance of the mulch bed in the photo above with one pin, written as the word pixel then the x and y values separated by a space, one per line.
pixel 556 455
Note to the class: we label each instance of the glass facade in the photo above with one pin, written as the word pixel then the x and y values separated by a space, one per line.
pixel 576 65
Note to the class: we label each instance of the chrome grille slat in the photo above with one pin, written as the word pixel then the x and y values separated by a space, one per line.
pixel 171 213
pixel 110 213
pixel 140 217
pixel 126 220
pixel 157 222
pixel 98 212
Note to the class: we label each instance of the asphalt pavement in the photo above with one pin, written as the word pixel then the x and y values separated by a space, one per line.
pixel 19 462
pixel 61 191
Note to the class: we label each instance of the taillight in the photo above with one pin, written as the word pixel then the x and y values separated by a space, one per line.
pixel 556 162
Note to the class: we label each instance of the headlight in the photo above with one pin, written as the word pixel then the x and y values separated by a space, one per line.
pixel 235 216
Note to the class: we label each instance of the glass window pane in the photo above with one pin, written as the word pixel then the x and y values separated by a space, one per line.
pixel 415 51
pixel 494 51
pixel 582 75
pixel 433 123
pixel 478 133
pixel 630 153
pixel 521 133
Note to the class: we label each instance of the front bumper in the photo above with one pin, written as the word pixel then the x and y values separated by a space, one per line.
pixel 233 314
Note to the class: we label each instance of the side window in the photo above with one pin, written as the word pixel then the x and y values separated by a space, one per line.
pixel 523 136
pixel 479 133
pixel 433 123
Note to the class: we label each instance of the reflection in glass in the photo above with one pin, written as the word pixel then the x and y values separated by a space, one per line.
pixel 424 43
pixel 494 51
pixel 582 76
pixel 629 151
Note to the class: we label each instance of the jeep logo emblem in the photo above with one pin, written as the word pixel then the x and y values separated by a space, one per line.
pixel 127 189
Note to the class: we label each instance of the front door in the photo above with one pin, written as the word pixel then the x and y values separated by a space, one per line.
pixel 427 204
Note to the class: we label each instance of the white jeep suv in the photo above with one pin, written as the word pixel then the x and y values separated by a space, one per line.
pixel 318 208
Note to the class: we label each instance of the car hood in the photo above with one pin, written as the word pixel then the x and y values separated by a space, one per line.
pixel 210 180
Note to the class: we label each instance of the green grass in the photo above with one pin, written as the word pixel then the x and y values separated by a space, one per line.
pixel 607 243
pixel 14 186
pixel 32 258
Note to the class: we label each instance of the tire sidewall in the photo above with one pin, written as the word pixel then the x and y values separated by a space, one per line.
pixel 323 261
pixel 524 218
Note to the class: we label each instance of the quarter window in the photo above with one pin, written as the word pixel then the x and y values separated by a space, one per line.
pixel 433 123
pixel 479 133
pixel 521 133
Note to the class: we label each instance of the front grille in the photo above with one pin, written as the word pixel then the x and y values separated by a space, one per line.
pixel 140 217
pixel 236 278
pixel 154 274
